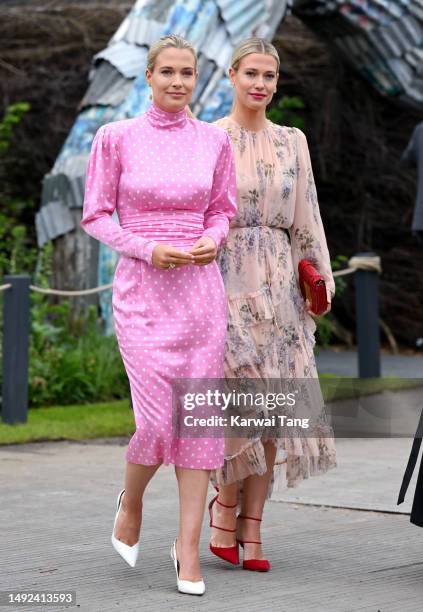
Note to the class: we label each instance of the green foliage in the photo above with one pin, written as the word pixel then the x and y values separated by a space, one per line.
pixel 283 113
pixel 70 360
pixel 16 254
pixel 11 119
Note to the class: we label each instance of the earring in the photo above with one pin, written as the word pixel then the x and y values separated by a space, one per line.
pixel 150 96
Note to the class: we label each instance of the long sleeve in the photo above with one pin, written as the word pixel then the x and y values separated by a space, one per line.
pixel 308 239
pixel 222 205
pixel 101 190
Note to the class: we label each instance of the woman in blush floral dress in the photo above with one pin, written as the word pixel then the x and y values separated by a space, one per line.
pixel 270 328
pixel 171 179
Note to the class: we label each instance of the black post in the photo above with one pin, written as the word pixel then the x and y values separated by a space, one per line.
pixel 15 349
pixel 367 314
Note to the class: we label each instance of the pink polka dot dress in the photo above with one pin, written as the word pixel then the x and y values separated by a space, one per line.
pixel 172 180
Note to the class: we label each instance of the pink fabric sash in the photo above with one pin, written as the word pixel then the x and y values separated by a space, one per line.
pixel 178 228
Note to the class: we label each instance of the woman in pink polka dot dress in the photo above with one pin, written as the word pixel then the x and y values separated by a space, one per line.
pixel 171 179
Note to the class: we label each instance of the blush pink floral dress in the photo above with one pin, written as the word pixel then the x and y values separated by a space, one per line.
pixel 171 180
pixel 270 333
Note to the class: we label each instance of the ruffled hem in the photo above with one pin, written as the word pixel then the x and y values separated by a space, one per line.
pixel 251 308
pixel 296 460
pixel 250 459
pixel 276 318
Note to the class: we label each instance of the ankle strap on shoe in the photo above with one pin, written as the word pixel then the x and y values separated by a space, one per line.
pixel 211 514
pixel 252 518
pixel 225 505
pixel 248 541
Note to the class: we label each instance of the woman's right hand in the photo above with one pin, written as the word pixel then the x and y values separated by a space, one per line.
pixel 163 255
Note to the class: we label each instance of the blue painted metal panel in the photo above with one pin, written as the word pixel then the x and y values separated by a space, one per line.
pixel 382 38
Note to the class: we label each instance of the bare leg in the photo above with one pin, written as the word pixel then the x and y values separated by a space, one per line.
pixel 192 498
pixel 253 498
pixel 128 524
pixel 225 517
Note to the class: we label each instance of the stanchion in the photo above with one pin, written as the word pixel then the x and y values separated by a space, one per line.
pixel 15 349
pixel 367 314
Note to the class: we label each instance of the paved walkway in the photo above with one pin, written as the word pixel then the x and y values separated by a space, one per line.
pixel 58 503
pixel 345 363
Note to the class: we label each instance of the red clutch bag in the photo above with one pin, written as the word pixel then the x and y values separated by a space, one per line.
pixel 313 286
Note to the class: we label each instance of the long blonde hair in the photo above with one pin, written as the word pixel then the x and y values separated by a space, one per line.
pixel 253 45
pixel 166 42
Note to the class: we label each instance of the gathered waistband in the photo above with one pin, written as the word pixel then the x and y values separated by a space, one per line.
pixel 285 230
pixel 177 228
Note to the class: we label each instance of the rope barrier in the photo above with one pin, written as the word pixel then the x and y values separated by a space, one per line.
pixel 343 272
pixel 372 262
pixel 70 293
pixel 361 262
pixel 369 262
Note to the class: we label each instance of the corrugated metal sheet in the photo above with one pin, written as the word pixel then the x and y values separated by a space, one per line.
pixel 53 220
pixel 383 39
pixel 107 88
pixel 276 11
pixel 218 47
pixel 145 23
pixel 207 20
pixel 64 188
pixel 206 69
pixel 242 18
pixel 129 60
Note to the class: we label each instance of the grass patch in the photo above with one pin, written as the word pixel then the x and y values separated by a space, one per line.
pixel 108 419
pixel 338 387
pixel 114 419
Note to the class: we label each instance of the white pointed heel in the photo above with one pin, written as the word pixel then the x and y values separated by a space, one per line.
pixel 186 586
pixel 129 553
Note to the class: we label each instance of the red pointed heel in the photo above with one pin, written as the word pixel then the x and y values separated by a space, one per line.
pixel 227 553
pixel 255 565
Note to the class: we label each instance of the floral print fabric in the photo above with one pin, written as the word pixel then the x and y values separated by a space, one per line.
pixel 270 333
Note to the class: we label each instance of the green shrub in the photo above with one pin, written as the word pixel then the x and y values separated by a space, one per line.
pixel 284 112
pixel 71 361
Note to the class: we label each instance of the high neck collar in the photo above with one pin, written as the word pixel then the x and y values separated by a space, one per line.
pixel 164 119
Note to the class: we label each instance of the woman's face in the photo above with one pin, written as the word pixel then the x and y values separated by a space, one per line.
pixel 255 80
pixel 173 79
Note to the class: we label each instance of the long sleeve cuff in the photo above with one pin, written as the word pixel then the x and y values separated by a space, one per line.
pixel 147 252
pixel 216 233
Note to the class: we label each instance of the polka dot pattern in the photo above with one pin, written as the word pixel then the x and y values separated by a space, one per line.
pixel 172 180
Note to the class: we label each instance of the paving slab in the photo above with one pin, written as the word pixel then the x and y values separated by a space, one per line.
pixel 368 477
pixel 345 363
pixel 57 512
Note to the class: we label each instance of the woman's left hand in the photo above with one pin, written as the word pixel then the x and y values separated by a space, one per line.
pixel 204 251
pixel 310 312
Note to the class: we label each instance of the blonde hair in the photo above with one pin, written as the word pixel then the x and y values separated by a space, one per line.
pixel 253 45
pixel 165 42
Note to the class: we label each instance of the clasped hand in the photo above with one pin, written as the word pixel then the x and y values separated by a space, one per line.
pixel 202 253
pixel 310 312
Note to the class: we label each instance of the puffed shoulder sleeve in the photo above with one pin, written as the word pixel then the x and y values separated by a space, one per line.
pixel 101 195
pixel 308 240
pixel 222 204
